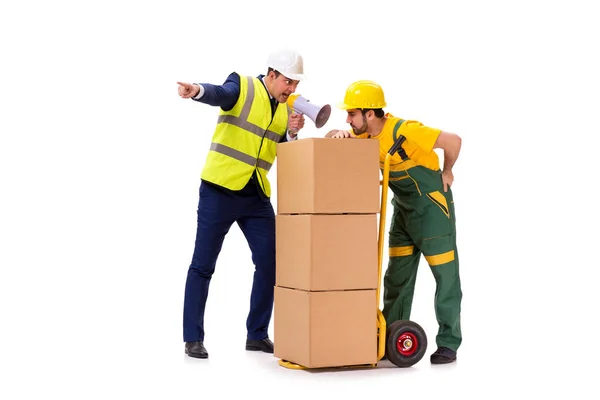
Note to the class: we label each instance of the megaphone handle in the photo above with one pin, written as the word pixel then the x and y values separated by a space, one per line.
pixel 295 131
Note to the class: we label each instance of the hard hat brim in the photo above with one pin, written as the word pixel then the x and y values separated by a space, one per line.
pixel 294 77
pixel 344 106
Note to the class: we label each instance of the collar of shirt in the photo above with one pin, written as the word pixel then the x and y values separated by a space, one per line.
pixel 274 106
pixel 272 100
pixel 262 79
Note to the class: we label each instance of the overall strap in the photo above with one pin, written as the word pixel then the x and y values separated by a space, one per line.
pixel 401 151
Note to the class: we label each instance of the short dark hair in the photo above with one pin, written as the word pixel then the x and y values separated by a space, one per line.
pixel 277 73
pixel 378 111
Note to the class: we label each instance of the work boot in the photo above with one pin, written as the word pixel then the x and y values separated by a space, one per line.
pixel 196 350
pixel 443 355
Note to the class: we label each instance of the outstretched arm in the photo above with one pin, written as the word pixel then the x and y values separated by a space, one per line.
pixel 224 96
pixel 187 90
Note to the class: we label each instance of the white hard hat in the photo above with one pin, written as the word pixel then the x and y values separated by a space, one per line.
pixel 288 62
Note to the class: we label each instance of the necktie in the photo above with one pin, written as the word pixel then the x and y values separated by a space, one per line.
pixel 273 106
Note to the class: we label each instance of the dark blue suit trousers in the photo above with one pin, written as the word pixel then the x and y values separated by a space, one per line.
pixel 218 209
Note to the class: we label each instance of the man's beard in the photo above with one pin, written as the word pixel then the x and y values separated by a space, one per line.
pixel 361 130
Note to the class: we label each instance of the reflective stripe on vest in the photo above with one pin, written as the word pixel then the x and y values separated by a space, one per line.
pixel 245 139
pixel 242 120
pixel 238 155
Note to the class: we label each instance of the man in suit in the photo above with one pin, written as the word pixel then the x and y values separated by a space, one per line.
pixel 253 119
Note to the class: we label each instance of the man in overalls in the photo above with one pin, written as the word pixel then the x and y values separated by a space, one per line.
pixel 423 220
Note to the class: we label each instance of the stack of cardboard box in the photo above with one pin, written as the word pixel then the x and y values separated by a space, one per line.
pixel 326 225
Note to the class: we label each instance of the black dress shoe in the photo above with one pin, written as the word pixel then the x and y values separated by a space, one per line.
pixel 443 355
pixel 260 345
pixel 196 350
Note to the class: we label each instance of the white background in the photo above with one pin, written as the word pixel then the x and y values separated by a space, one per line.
pixel 100 163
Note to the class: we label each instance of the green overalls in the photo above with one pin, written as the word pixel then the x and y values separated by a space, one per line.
pixel 423 221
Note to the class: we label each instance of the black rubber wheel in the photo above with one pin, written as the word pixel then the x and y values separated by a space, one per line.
pixel 406 343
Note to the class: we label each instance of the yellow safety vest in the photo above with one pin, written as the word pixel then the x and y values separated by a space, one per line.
pixel 245 139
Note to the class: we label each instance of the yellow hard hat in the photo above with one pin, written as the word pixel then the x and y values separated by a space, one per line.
pixel 363 94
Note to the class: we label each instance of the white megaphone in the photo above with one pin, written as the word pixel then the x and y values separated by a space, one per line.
pixel 319 115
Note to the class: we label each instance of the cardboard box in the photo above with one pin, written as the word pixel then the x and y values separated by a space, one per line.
pixel 322 175
pixel 325 329
pixel 326 252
